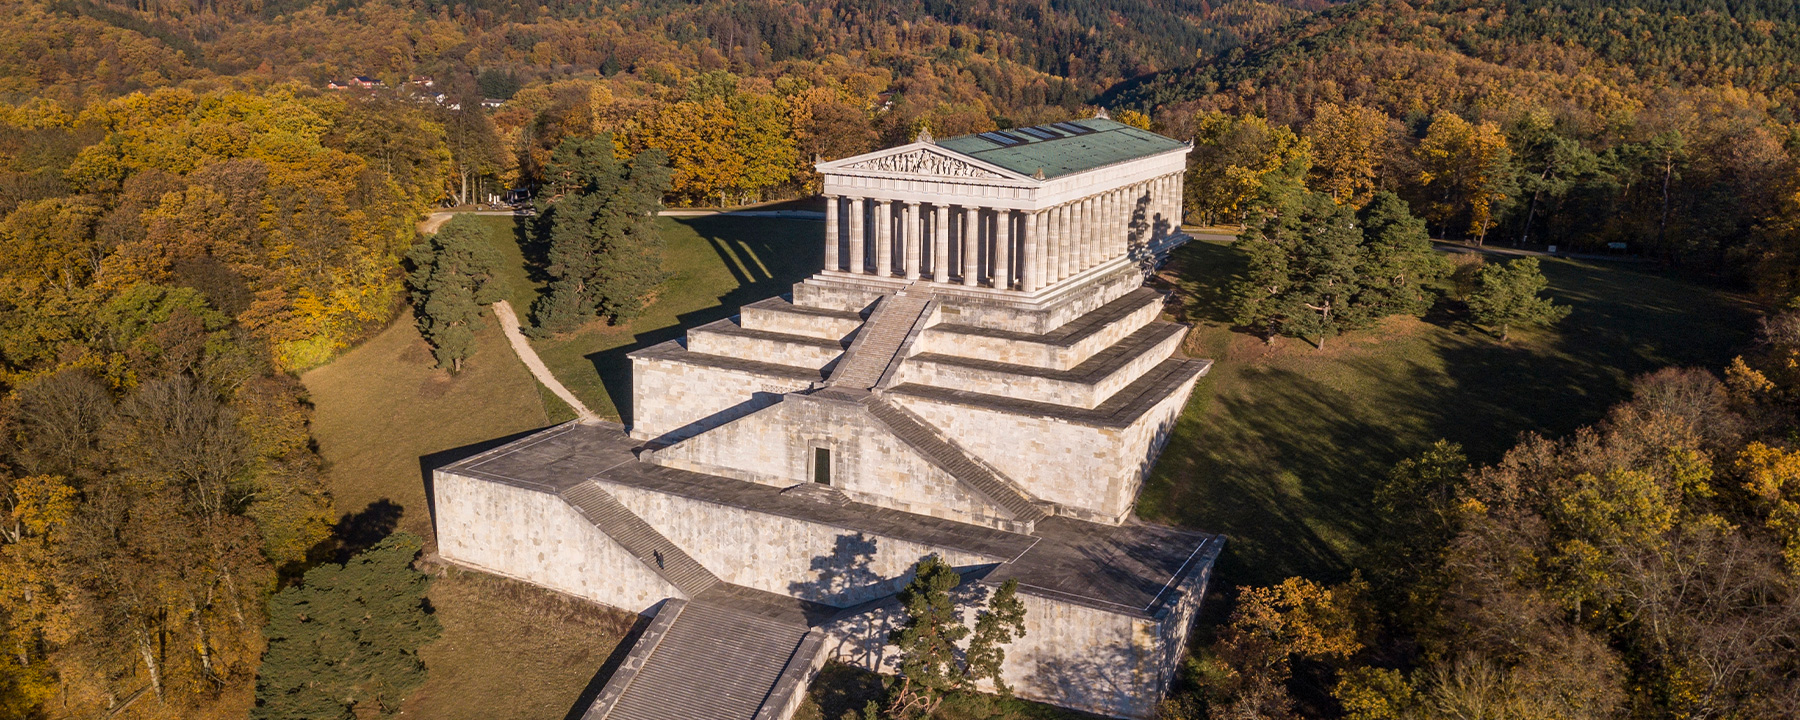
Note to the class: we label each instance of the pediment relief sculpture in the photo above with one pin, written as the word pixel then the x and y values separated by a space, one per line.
pixel 923 162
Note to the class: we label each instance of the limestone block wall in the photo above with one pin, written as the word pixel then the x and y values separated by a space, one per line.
pixel 1091 472
pixel 785 555
pixel 1081 392
pixel 1071 655
pixel 671 400
pixel 783 318
pixel 1073 301
pixel 775 446
pixel 538 538
pixel 960 341
pixel 726 339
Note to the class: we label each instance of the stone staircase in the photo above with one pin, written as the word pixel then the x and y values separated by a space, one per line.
pixel 966 468
pixel 711 661
pixel 879 341
pixel 641 540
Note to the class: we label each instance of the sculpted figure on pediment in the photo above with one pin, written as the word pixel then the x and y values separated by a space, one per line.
pixel 923 162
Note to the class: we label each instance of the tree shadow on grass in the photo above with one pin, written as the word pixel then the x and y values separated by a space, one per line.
pixel 1285 460
pixel 765 258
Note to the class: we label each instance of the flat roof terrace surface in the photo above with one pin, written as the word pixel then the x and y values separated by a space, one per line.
pixel 1062 148
pixel 554 459
pixel 1130 569
pixel 1133 569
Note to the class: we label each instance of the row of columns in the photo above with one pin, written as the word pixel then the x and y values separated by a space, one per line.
pixel 992 247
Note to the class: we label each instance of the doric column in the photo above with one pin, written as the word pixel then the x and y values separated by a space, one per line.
pixel 833 232
pixel 1122 209
pixel 1065 225
pixel 1029 254
pixel 1176 202
pixel 1003 257
pixel 884 237
pixel 940 243
pixel 969 235
pixel 1084 234
pixel 1109 225
pixel 857 221
pixel 912 241
pixel 1165 187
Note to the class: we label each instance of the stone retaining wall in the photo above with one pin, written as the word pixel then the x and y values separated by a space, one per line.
pixel 536 537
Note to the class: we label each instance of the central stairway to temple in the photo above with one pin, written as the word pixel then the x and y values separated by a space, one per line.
pixel 880 340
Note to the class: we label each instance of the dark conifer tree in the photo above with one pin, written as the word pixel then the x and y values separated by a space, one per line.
pixel 452 277
pixel 606 252
pixel 1397 269
pixel 346 640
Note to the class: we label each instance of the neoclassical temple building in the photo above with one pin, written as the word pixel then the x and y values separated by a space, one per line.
pixel 977 372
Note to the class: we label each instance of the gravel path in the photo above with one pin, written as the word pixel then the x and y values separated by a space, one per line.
pixel 509 323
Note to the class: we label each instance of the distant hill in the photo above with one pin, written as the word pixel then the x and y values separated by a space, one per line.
pixel 1471 55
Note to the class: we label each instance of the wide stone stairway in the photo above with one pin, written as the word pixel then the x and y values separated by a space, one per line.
pixel 711 661
pixel 869 357
pixel 643 541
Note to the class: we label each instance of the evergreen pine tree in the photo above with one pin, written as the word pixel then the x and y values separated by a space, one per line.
pixel 1506 294
pixel 347 637
pixel 1302 276
pixel 606 252
pixel 931 664
pixel 1397 267
pixel 452 277
pixel 999 624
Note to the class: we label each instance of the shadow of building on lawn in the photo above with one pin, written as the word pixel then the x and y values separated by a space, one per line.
pixel 765 258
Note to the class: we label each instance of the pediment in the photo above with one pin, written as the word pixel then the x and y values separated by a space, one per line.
pixel 920 159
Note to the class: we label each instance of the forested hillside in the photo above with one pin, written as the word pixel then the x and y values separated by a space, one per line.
pixel 200 199
pixel 1665 125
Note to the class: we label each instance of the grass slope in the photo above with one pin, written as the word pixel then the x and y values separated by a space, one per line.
pixel 1281 444
pixel 382 414
pixel 715 264
pixel 383 409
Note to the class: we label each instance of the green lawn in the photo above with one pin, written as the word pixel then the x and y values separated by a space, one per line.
pixel 382 415
pixel 1281 444
pixel 715 263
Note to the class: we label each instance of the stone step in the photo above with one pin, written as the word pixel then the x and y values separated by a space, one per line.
pixel 879 340
pixel 640 539
pixel 1084 386
pixel 949 457
pixel 1060 349
pixel 711 661
pixel 778 315
pixel 725 338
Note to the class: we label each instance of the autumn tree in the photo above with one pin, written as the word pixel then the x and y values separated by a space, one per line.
pixel 930 639
pixel 605 250
pixel 1247 671
pixel 1235 159
pixel 345 641
pixel 452 277
pixel 475 150
pixel 1348 144
pixel 1466 170
pixel 1508 295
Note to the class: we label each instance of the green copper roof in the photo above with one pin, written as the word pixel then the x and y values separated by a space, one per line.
pixel 1061 148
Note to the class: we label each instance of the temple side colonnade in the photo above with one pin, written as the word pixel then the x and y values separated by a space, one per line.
pixel 970 213
pixel 994 247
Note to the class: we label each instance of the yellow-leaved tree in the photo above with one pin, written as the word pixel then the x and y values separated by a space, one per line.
pixel 1466 171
